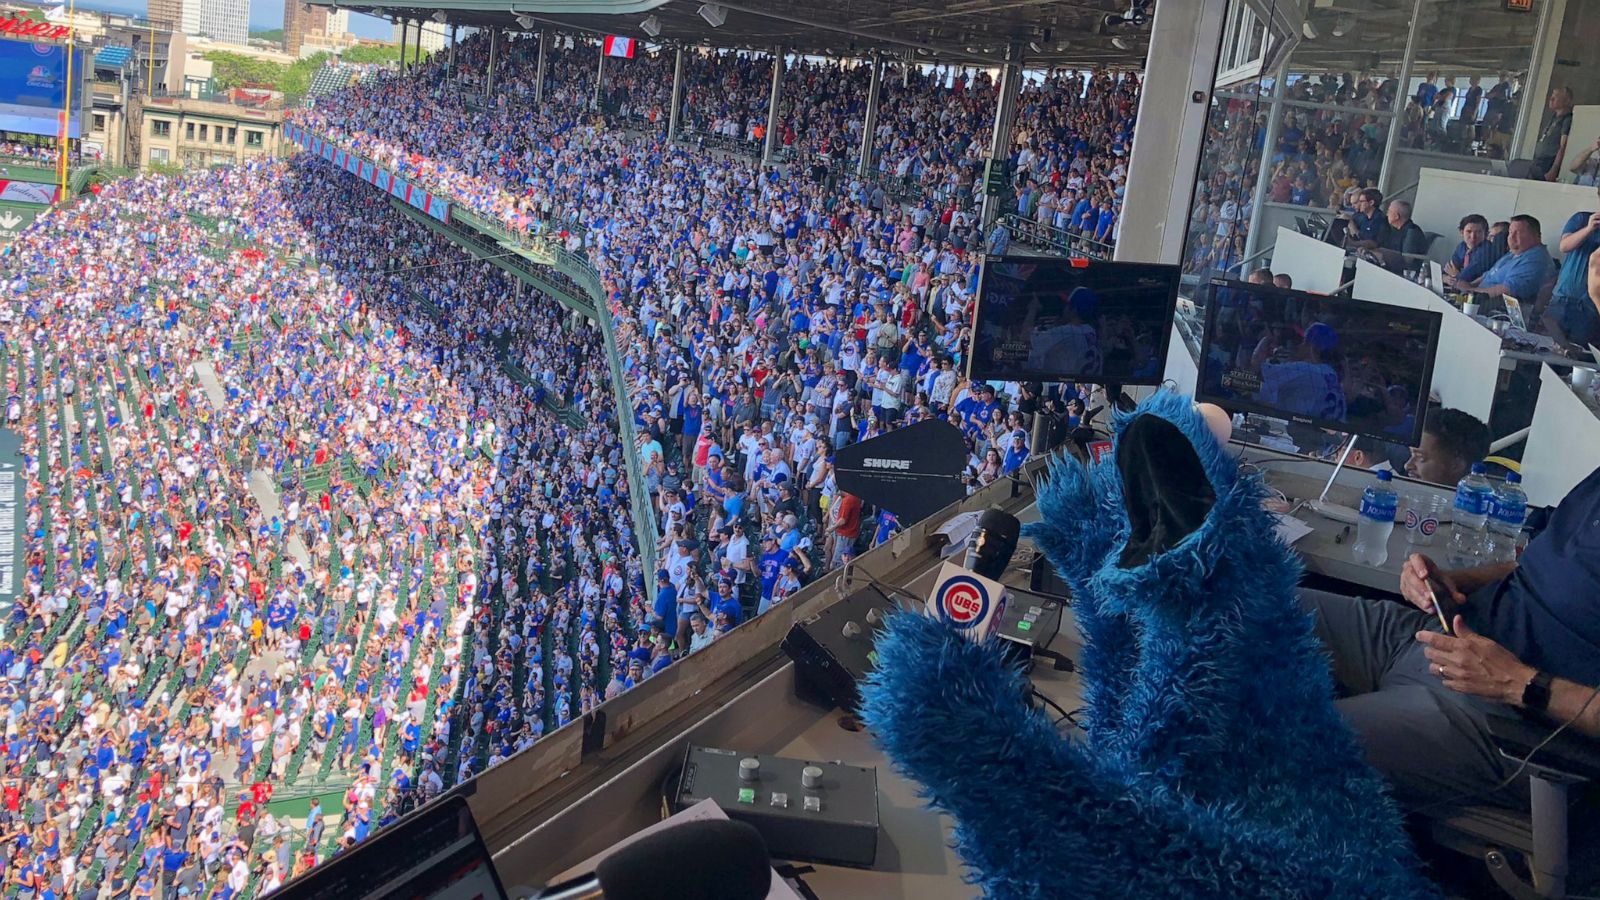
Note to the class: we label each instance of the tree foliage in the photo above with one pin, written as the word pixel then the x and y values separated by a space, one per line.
pixel 231 70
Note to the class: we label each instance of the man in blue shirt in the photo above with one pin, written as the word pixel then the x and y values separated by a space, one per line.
pixel 771 564
pixel 1572 314
pixel 666 605
pixel 1476 253
pixel 1526 641
pixel 1522 272
pixel 976 409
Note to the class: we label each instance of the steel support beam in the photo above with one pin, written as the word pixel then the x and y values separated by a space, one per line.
pixel 1173 105
pixel 1005 115
pixel 1401 95
pixel 773 99
pixel 544 48
pixel 494 45
pixel 874 98
pixel 677 95
pixel 599 76
pixel 1269 141
pixel 404 28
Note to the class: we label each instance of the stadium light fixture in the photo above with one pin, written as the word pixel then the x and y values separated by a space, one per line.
pixel 1309 30
pixel 1034 46
pixel 714 15
pixel 1120 43
pixel 377 11
pixel 440 17
pixel 526 22
pixel 651 27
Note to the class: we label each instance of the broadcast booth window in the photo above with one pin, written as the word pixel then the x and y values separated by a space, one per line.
pixel 1056 320
pixel 1346 365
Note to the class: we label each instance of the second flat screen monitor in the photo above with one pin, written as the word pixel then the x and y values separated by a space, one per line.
pixel 1050 319
pixel 1346 365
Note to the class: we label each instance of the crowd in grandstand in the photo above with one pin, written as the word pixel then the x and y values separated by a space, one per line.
pixel 769 315
pixel 318 504
pixel 182 646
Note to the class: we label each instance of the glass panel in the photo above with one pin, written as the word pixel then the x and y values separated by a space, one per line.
pixel 1469 65
pixel 1228 165
pixel 1320 154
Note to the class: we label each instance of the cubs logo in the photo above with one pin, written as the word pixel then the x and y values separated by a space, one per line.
pixel 963 602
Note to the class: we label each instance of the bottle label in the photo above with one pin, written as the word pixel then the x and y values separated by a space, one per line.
pixel 1471 502
pixel 1378 508
pixel 1509 515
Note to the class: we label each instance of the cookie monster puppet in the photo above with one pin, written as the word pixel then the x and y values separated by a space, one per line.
pixel 1213 765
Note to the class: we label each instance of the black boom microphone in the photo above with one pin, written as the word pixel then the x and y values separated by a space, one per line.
pixel 994 542
pixel 711 859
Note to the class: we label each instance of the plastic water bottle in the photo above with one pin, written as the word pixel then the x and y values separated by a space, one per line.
pixel 1506 516
pixel 1379 502
pixel 1468 536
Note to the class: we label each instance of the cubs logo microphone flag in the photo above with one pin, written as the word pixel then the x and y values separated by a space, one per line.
pixel 619 46
pixel 966 601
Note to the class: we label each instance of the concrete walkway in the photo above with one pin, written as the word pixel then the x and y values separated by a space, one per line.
pixel 261 486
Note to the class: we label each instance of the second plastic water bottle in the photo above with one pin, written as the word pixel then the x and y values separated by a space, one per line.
pixel 1379 502
pixel 1506 517
pixel 1474 496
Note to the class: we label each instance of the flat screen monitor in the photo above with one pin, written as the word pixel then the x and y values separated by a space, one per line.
pixel 1077 320
pixel 434 853
pixel 1331 362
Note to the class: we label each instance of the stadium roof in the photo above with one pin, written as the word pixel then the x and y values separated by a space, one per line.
pixel 1050 32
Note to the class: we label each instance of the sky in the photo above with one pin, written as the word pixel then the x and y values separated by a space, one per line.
pixel 264 15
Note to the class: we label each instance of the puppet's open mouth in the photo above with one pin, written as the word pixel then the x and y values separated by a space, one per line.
pixel 1165 488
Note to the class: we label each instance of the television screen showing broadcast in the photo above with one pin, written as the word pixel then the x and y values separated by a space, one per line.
pixel 1347 365
pixel 1072 320
pixel 33 88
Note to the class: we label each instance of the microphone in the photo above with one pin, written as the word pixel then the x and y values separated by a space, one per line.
pixel 711 859
pixel 994 542
pixel 970 597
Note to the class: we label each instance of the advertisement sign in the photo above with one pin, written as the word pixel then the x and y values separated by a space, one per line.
pixel 367 170
pixel 28 192
pixel 338 158
pixel 13 221
pixel 438 208
pixel 13 523
pixel 33 88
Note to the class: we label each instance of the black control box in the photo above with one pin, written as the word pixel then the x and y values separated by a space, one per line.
pixel 807 811
pixel 833 650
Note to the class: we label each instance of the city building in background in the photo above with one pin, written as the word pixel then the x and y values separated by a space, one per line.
pixel 301 21
pixel 223 21
pixel 166 13
pixel 435 37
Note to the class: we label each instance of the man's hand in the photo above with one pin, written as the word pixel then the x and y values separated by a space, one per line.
pixel 1470 663
pixel 1414 582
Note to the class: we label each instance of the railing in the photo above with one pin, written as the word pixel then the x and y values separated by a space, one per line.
pixel 1050 237
pixel 587 279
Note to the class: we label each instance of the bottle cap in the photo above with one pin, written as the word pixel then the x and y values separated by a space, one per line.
pixel 1513 478
pixel 1478 468
pixel 1385 475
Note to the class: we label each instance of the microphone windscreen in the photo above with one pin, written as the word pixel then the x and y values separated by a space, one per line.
pixel 1001 524
pixel 712 859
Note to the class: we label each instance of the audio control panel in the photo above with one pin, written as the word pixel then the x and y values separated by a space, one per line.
pixel 807 810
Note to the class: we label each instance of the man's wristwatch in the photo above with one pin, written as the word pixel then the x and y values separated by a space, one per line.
pixel 1536 693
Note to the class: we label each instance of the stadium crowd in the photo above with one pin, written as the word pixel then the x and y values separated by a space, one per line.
pixel 309 512
pixel 276 516
pixel 769 315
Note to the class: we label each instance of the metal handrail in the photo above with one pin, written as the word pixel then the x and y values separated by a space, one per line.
pixel 1066 241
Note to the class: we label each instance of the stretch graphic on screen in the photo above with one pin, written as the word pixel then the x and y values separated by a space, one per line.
pixel 33 83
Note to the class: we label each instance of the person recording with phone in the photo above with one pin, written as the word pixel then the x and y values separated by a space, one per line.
pixel 1419 681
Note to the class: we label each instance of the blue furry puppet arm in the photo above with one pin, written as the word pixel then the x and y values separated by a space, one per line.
pixel 1217 767
pixel 1037 816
